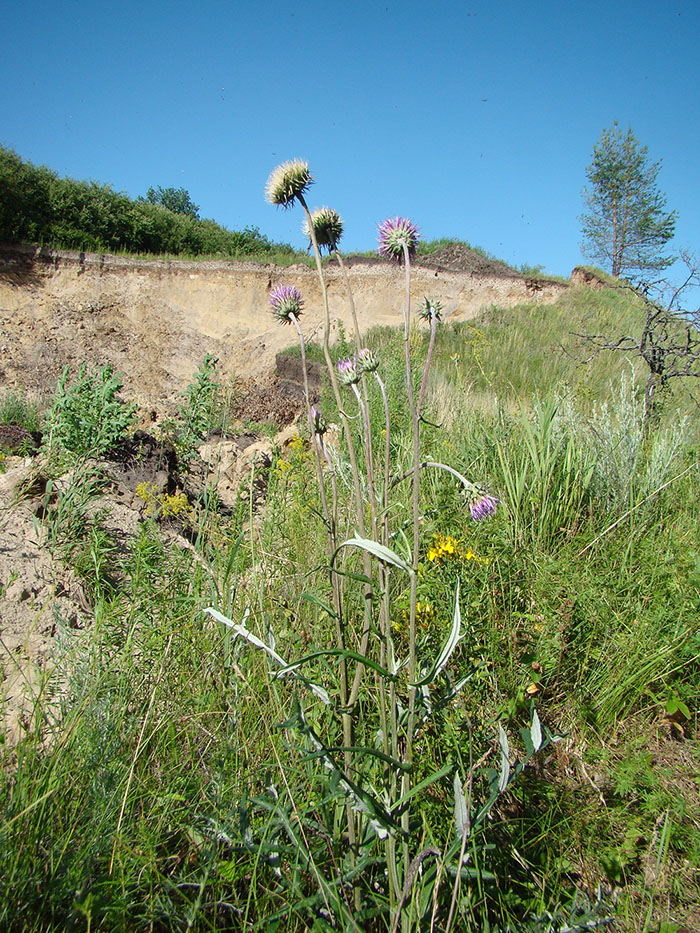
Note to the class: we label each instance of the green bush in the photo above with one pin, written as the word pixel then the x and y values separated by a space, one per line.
pixel 38 206
pixel 87 415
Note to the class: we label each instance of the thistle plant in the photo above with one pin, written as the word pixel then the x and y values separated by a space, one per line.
pixel 379 808
pixel 288 182
pixel 286 303
pixel 429 311
pixel 327 227
pixel 398 239
pixel 482 506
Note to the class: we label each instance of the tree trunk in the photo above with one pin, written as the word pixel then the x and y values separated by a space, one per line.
pixel 650 402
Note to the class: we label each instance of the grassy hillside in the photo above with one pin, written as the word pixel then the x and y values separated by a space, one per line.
pixel 534 751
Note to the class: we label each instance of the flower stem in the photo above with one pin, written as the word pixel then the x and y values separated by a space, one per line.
pixel 415 427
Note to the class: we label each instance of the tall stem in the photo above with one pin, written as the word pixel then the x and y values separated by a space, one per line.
pixel 433 330
pixel 359 505
pixel 330 520
pixel 408 755
pixel 356 331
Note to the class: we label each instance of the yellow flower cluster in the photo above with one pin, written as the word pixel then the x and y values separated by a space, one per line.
pixel 175 505
pixel 445 547
pixel 295 455
pixel 425 615
pixel 165 505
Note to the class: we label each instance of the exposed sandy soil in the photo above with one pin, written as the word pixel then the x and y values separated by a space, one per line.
pixel 155 320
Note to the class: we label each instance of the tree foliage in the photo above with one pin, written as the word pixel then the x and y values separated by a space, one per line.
pixel 38 206
pixel 626 225
pixel 177 200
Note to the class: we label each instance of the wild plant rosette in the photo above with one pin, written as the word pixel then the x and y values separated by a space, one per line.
pixel 286 302
pixel 327 225
pixel 396 233
pixel 288 182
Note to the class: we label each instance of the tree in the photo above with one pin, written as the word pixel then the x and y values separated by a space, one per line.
pixel 177 200
pixel 668 340
pixel 626 225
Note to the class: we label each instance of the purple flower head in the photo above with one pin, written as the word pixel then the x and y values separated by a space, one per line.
pixel 347 371
pixel 430 309
pixel 482 506
pixel 394 234
pixel 286 302
pixel 328 227
pixel 287 182
pixel 317 420
pixel 367 362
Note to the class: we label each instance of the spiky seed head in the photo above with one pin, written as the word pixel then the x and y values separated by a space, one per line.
pixel 327 225
pixel 287 182
pixel 286 302
pixel 367 362
pixel 394 234
pixel 430 309
pixel 348 372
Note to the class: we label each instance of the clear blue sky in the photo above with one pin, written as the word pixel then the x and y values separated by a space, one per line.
pixel 477 120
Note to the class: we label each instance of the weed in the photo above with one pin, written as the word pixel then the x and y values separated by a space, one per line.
pixel 87 416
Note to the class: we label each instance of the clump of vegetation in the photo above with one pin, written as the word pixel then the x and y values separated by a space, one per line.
pixel 38 206
pixel 18 409
pixel 87 416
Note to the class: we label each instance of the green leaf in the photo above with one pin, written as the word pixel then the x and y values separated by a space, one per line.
pixel 505 759
pixel 344 653
pixel 426 782
pixel 314 600
pixel 461 812
pixel 377 550
pixel 447 649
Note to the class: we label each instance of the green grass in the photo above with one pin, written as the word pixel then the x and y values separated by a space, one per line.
pixel 171 784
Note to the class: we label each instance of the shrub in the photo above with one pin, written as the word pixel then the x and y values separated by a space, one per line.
pixel 87 415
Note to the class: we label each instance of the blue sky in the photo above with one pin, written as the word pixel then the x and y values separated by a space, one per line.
pixel 476 120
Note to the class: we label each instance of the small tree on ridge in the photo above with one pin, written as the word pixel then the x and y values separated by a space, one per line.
pixel 626 225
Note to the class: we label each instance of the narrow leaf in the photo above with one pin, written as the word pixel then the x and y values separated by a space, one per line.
pixel 447 648
pixel 426 782
pixel 461 814
pixel 381 551
pixel 505 756
pixel 287 669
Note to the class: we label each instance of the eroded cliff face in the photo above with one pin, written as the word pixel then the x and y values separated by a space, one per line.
pixel 154 321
